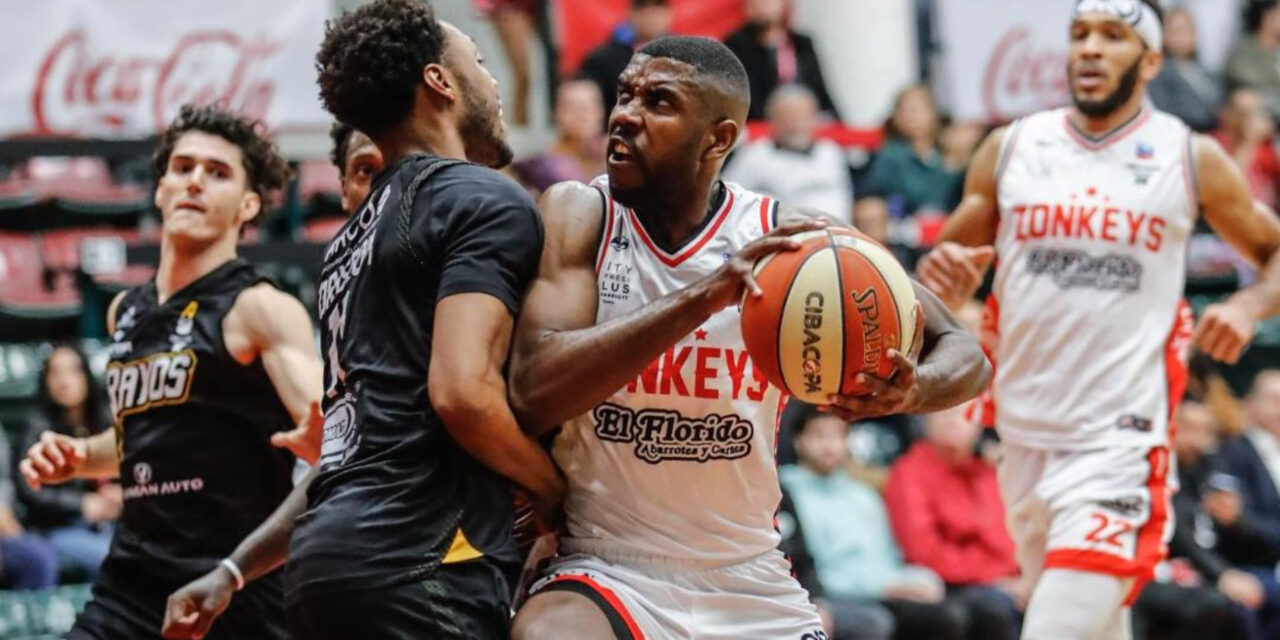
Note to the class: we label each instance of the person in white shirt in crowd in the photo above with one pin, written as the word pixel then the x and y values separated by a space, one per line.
pixel 795 166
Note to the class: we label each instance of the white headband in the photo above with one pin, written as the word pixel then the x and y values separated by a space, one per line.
pixel 1136 14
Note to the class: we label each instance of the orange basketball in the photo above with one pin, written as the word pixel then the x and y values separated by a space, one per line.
pixel 830 310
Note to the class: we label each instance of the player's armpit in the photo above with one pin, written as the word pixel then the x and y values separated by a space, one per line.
pixel 279 331
pixel 469 346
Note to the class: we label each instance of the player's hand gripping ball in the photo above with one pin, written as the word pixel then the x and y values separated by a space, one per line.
pixel 831 310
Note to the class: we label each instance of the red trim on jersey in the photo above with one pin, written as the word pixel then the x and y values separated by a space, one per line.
pixel 1002 162
pixel 1108 139
pixel 608 231
pixel 1188 177
pixel 764 214
pixel 1176 347
pixel 608 595
pixel 694 246
pixel 777 426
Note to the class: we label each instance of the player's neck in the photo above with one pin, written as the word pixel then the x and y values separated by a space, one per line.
pixel 679 218
pixel 1268 40
pixel 180 266
pixel 1098 126
pixel 422 135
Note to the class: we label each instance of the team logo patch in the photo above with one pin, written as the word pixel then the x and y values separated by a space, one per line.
pixel 660 434
pixel 341 438
pixel 141 473
pixel 155 380
pixel 181 338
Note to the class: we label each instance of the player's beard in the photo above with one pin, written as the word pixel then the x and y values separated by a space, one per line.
pixel 482 133
pixel 1108 105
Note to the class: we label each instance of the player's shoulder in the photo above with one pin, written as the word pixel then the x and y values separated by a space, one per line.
pixel 262 309
pixel 573 214
pixel 467 179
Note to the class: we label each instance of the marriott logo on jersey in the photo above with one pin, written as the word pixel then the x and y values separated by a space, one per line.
pixel 156 380
pixel 660 434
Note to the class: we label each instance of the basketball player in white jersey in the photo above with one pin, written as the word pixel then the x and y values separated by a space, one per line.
pixel 1087 211
pixel 630 337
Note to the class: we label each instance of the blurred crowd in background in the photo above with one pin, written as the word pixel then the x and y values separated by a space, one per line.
pixel 895 526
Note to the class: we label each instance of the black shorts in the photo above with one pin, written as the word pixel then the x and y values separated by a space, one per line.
pixel 467 601
pixel 117 613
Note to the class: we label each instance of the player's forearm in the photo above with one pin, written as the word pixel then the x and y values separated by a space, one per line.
pixel 480 421
pixel 102 457
pixel 1262 298
pixel 265 549
pixel 953 371
pixel 565 373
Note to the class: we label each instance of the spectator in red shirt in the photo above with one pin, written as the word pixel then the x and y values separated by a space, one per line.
pixel 1245 132
pixel 945 508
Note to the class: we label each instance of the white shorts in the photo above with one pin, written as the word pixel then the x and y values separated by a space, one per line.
pixel 754 600
pixel 1098 510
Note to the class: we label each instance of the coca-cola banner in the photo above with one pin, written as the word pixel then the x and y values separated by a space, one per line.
pixel 1003 58
pixel 121 69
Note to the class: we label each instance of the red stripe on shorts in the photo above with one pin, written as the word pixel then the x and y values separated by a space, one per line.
pixel 609 596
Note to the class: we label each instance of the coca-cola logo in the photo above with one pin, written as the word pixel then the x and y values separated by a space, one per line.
pixel 1023 75
pixel 79 90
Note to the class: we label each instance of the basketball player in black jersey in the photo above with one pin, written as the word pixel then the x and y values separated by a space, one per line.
pixel 358 160
pixel 210 367
pixel 194 607
pixel 407 526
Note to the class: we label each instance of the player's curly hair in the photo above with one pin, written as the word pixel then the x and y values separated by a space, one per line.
pixel 265 169
pixel 372 58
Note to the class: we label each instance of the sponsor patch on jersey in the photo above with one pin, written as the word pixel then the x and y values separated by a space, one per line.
pixel 1134 423
pixel 1126 506
pixel 660 434
pixel 616 281
pixel 341 438
pixel 1072 268
pixel 155 380
pixel 143 487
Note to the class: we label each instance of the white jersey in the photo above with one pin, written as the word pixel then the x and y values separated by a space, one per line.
pixel 1091 248
pixel 679 463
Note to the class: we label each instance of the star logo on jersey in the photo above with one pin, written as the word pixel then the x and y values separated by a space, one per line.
pixel 700 334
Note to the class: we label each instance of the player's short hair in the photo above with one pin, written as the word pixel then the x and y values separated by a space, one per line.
pixel 265 169
pixel 1255 11
pixel 340 134
pixel 711 60
pixel 372 58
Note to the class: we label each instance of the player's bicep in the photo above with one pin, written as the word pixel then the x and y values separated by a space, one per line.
pixel 974 221
pixel 1249 227
pixel 282 332
pixel 470 340
pixel 563 296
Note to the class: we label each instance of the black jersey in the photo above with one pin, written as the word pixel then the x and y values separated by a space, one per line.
pixel 194 426
pixel 395 493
